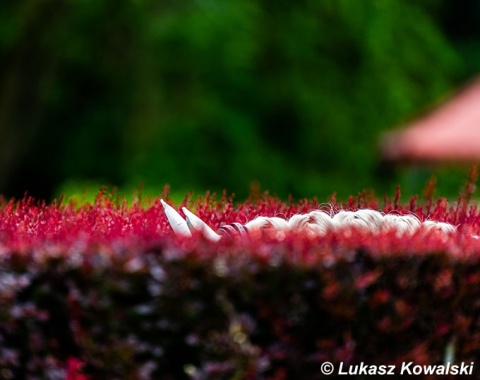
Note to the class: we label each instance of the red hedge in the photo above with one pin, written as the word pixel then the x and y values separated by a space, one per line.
pixel 104 291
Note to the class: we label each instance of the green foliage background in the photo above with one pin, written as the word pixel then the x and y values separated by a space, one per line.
pixel 210 94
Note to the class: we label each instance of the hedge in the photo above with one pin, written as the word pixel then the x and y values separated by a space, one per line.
pixel 106 291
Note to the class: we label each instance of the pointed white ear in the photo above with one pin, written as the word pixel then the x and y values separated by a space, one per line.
pixel 178 224
pixel 197 224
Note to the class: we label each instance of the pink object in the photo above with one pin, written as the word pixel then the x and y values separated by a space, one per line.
pixel 74 367
pixel 450 133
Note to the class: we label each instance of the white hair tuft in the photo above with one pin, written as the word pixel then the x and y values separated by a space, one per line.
pixel 315 223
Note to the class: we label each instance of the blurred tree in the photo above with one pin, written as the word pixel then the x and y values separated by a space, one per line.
pixel 459 19
pixel 208 94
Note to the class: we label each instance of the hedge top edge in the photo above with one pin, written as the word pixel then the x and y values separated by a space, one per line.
pixel 110 225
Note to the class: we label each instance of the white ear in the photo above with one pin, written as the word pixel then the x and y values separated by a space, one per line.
pixel 178 224
pixel 197 224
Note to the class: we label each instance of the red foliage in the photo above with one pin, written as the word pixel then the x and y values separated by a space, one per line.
pixel 108 285
pixel 74 369
pixel 111 225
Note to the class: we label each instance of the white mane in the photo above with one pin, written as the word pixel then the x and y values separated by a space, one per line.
pixel 315 223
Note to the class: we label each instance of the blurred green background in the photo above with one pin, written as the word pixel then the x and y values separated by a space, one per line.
pixel 224 94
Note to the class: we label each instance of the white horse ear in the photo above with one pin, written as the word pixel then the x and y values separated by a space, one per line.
pixel 197 224
pixel 178 224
